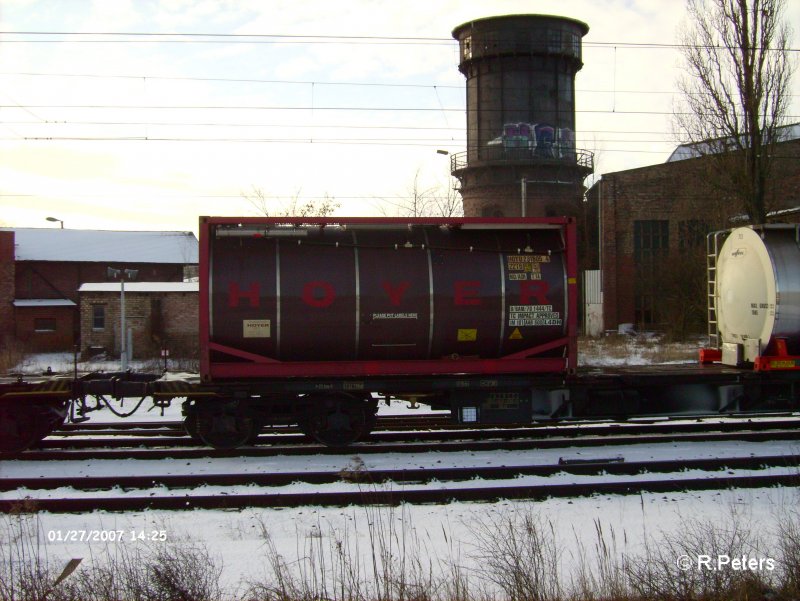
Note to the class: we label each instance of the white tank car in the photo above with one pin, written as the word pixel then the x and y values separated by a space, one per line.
pixel 757 295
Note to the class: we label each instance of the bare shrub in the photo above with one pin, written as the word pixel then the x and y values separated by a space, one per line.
pixel 604 576
pixel 788 534
pixel 330 564
pixel 305 579
pixel 399 569
pixel 519 553
pixel 183 571
pixel 25 572
pixel 655 575
pixel 11 355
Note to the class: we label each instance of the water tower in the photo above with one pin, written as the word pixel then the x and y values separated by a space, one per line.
pixel 520 72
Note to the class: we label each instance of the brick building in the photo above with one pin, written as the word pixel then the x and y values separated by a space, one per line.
pixel 41 270
pixel 653 223
pixel 6 286
pixel 159 314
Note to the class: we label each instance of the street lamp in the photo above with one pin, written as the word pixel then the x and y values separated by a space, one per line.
pixel 53 219
pixel 122 275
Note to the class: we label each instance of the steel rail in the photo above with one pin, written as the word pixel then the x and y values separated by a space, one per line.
pixel 376 496
pixel 437 430
pixel 185 448
pixel 415 475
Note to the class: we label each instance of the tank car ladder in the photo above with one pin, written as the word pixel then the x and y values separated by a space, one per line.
pixel 714 242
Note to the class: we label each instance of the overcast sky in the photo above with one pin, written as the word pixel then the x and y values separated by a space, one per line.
pixel 149 132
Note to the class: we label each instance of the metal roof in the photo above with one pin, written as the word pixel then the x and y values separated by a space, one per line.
pixel 94 246
pixel 140 287
pixel 43 302
pixel 786 133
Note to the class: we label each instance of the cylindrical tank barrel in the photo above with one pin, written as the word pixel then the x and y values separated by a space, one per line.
pixel 758 288
pixel 387 292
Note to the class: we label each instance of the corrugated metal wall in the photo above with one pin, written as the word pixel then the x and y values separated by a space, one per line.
pixel 592 303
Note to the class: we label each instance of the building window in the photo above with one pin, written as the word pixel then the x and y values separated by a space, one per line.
pixel 98 317
pixel 650 239
pixel 554 40
pixel 644 310
pixel 575 42
pixel 692 233
pixel 650 247
pixel 44 324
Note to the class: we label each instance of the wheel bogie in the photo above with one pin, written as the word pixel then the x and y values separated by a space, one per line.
pixel 339 420
pixel 25 424
pixel 335 419
pixel 224 424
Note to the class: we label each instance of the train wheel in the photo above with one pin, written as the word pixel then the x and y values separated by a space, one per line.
pixel 337 421
pixel 190 425
pixel 371 422
pixel 257 427
pixel 18 428
pixel 224 426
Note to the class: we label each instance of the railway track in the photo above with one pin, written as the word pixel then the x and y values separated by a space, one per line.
pixel 436 485
pixel 443 422
pixel 175 428
pixel 542 437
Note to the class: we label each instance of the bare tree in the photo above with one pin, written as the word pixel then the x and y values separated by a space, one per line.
pixel 295 207
pixel 435 201
pixel 447 201
pixel 735 93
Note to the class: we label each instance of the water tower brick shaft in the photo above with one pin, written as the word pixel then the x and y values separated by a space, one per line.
pixel 520 78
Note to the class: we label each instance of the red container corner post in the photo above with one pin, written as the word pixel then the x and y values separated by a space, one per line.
pixel 299 297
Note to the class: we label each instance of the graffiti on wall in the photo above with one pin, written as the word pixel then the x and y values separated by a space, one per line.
pixel 539 139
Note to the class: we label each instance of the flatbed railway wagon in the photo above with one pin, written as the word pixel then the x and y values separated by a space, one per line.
pixel 314 321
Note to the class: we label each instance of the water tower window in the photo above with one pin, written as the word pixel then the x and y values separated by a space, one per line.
pixel 554 40
pixel 575 42
pixel 466 48
pixel 490 43
pixel 538 39
pixel 565 87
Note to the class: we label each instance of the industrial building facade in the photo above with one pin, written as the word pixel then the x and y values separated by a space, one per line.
pixel 42 269
pixel 652 226
pixel 162 316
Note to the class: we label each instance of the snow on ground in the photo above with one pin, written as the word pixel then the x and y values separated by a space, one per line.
pixel 438 534
pixel 20 468
pixel 645 349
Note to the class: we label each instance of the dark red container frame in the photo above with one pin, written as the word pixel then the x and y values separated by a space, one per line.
pixel 256 366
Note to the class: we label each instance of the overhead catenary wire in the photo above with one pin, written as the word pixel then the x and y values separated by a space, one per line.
pixel 312 82
pixel 265 38
pixel 220 107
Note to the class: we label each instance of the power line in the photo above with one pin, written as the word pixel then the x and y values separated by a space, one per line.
pixel 196 37
pixel 314 108
pixel 307 82
pixel 291 141
pixel 293 126
pixel 235 80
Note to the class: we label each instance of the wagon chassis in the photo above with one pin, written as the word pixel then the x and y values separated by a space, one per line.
pixel 340 411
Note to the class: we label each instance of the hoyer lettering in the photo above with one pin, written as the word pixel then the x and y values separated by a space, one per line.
pixel 321 293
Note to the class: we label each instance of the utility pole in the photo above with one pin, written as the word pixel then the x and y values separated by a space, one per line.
pixel 122 275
